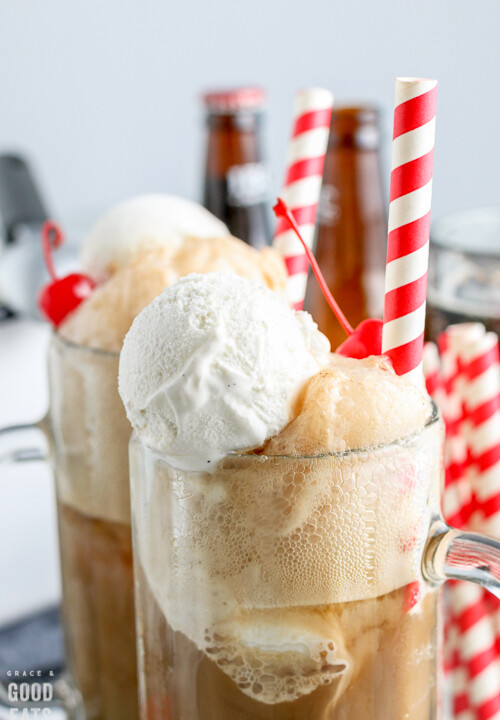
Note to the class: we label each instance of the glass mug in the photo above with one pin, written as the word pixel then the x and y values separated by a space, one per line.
pixel 87 433
pixel 464 271
pixel 296 587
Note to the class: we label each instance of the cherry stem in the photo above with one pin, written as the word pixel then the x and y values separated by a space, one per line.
pixel 52 238
pixel 281 209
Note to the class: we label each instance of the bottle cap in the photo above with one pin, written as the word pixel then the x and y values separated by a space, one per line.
pixel 234 100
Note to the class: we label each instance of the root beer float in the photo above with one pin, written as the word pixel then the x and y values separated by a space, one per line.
pixel 282 497
pixel 131 255
pixel 281 510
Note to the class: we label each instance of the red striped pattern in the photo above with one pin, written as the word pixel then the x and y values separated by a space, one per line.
pixel 304 168
pixel 489 708
pixel 296 264
pixel 412 235
pixel 414 113
pixel 477 508
pixel 303 215
pixel 308 165
pixel 453 425
pixel 460 703
pixel 485 411
pixel 450 383
pixel 490 507
pixel 487 459
pixel 455 519
pixel 443 342
pixel 433 382
pixel 411 176
pixel 408 238
pixel 483 508
pixel 482 363
pixel 469 618
pixel 411 295
pixel 456 460
pixel 471 615
pixel 408 356
pixel 312 120
pixel 481 661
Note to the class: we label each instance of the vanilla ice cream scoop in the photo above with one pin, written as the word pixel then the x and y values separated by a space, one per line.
pixel 215 364
pixel 104 318
pixel 144 223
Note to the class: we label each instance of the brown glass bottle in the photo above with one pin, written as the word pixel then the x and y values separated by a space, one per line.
pixel 236 180
pixel 350 243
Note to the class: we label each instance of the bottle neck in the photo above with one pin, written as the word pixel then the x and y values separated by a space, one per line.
pixel 352 182
pixel 236 180
pixel 355 128
pixel 233 139
pixel 351 223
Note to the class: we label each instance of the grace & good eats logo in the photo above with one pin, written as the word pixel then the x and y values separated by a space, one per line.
pixel 35 694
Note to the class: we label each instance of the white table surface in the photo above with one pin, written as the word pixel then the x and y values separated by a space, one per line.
pixel 29 564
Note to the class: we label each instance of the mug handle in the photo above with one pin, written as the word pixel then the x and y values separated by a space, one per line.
pixel 452 554
pixel 65 695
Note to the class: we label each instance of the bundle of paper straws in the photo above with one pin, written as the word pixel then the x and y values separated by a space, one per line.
pixel 463 376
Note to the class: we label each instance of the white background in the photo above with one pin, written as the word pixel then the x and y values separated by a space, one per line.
pixel 103 97
pixel 103 94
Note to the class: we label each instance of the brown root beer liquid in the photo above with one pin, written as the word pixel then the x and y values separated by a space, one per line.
pixel 90 436
pixel 352 225
pixel 98 613
pixel 390 675
pixel 236 179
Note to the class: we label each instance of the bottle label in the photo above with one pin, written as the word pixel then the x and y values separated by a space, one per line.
pixel 247 185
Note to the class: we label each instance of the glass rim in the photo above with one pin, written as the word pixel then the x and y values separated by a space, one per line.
pixel 441 234
pixel 85 349
pixel 431 422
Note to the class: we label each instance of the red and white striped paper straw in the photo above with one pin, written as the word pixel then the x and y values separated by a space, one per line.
pixel 304 171
pixel 470 374
pixel 409 224
pixel 481 371
pixel 478 382
pixel 440 376
pixel 431 366
pixel 480 360
pixel 457 672
pixel 476 642
pixel 457 493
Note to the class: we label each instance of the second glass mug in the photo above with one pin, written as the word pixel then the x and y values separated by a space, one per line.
pixel 293 588
pixel 88 433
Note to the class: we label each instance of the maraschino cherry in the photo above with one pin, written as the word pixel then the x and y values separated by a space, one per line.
pixel 365 340
pixel 61 296
pixel 362 341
